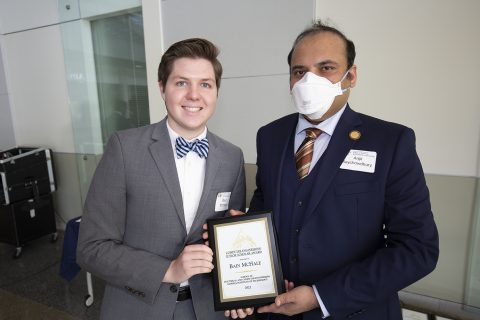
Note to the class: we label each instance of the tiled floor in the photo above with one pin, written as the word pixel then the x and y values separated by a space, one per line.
pixel 18 308
pixel 31 287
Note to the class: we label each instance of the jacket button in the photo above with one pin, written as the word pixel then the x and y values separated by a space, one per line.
pixel 127 288
pixel 142 295
pixel 295 231
pixel 137 293
pixel 294 260
pixel 173 289
pixel 299 203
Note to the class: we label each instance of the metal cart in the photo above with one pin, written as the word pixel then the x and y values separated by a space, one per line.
pixel 27 180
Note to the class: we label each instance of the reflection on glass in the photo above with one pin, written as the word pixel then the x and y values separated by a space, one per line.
pixel 86 164
pixel 106 76
pixel 119 51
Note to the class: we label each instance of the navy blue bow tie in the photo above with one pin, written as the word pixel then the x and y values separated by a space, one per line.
pixel 199 146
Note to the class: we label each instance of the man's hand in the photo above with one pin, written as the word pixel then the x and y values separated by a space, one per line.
pixel 242 313
pixel 193 260
pixel 239 313
pixel 205 227
pixel 288 285
pixel 294 301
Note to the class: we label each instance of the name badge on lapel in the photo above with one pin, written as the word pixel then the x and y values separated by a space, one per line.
pixel 359 160
pixel 223 198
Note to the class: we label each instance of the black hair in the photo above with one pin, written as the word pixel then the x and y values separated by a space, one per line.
pixel 318 27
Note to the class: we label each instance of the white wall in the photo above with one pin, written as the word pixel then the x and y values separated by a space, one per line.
pixel 418 65
pixel 7 131
pixel 254 38
pixel 247 103
pixel 27 14
pixel 39 90
pixel 34 63
pixel 453 202
pixel 152 28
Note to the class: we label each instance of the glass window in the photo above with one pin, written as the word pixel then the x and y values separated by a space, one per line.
pixel 106 76
pixel 119 55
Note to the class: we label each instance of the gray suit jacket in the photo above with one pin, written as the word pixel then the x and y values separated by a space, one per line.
pixel 133 225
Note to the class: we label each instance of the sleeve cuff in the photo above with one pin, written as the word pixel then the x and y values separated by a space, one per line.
pixel 320 302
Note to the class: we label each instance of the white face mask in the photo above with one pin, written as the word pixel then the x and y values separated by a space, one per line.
pixel 312 95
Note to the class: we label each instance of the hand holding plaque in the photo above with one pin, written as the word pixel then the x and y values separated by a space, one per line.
pixel 194 259
pixel 234 313
pixel 294 301
pixel 247 270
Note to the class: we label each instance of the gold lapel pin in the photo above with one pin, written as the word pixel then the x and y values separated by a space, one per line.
pixel 355 135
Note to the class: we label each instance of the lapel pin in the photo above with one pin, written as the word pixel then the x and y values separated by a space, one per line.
pixel 219 195
pixel 355 135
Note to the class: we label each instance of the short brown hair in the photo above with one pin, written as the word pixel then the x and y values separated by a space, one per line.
pixel 194 48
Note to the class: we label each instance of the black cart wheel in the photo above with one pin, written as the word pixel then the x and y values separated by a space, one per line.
pixel 17 253
pixel 54 237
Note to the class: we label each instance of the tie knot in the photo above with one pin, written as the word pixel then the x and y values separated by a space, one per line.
pixel 313 133
pixel 199 146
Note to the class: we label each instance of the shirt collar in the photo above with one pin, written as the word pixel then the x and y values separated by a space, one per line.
pixel 173 136
pixel 328 126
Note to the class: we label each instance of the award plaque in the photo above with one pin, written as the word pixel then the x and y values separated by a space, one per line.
pixel 247 270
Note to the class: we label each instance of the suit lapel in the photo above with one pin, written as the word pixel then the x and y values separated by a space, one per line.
pixel 212 164
pixel 338 148
pixel 280 145
pixel 162 154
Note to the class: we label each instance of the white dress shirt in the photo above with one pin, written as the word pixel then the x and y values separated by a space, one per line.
pixel 191 175
pixel 321 143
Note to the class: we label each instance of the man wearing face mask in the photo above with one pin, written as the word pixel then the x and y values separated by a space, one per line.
pixel 347 191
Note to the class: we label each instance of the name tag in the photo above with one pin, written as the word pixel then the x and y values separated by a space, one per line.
pixel 223 198
pixel 359 160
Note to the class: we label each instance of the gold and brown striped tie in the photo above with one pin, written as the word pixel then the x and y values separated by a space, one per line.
pixel 304 154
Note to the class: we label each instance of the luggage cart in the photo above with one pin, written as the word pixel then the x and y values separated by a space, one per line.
pixel 27 180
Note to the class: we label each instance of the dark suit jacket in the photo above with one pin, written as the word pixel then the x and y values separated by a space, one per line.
pixel 364 236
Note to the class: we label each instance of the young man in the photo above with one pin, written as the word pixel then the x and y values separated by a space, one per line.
pixel 347 191
pixel 153 189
